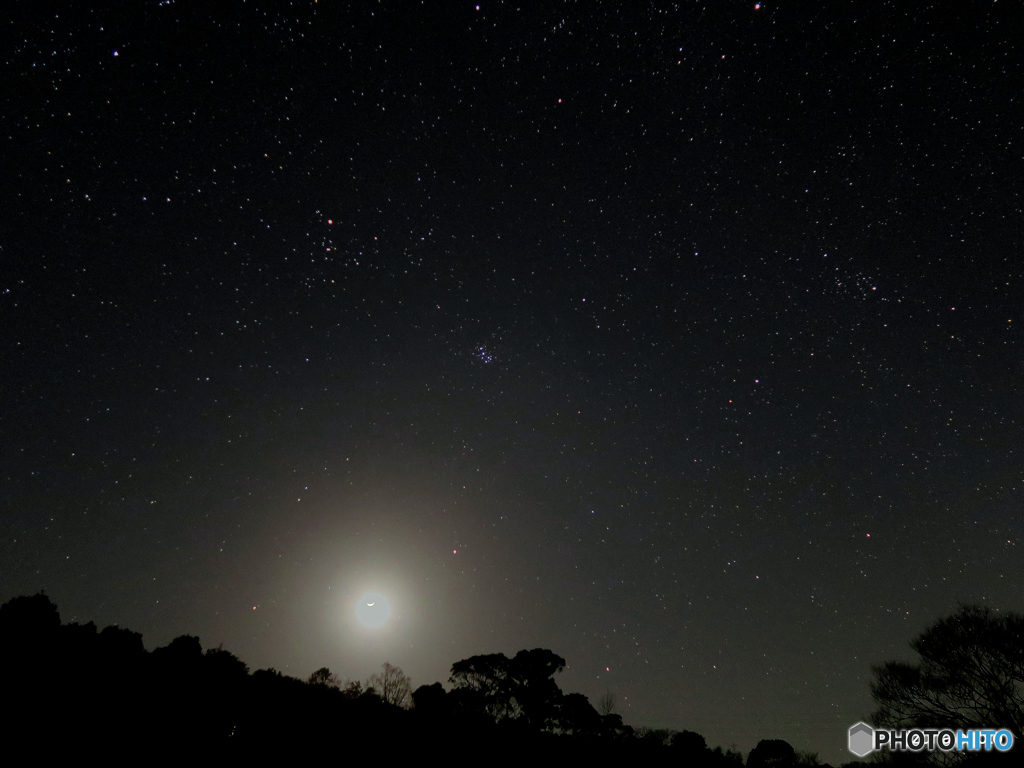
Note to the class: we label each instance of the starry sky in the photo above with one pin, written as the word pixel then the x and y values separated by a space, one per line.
pixel 679 338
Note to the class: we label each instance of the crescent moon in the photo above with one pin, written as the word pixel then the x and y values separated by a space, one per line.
pixel 371 603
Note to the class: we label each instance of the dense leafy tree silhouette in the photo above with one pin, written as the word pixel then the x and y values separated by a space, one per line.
pixel 431 702
pixel 577 717
pixel 688 745
pixel 772 753
pixel 482 684
pixel 613 727
pixel 324 676
pixel 970 675
pixel 29 639
pixel 176 669
pixel 536 695
pixel 28 620
pixel 521 688
pixel 354 690
pixel 225 666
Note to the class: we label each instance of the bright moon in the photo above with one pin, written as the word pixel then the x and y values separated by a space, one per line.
pixel 373 610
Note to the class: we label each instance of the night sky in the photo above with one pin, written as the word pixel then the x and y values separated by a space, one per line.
pixel 679 338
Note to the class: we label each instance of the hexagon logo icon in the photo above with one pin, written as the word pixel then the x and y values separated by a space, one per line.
pixel 862 738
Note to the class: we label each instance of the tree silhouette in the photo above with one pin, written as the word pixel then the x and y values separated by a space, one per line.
pixel 521 688
pixel 391 685
pixel 576 716
pixel 689 744
pixel 429 698
pixel 536 694
pixel 659 736
pixel 102 687
pixel 612 727
pixel 482 683
pixel 606 704
pixel 353 689
pixel 325 677
pixel 772 753
pixel 971 675
pixel 29 618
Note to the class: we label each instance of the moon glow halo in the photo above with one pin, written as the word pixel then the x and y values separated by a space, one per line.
pixel 373 610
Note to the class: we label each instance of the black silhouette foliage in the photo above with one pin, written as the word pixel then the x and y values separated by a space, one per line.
pixel 772 753
pixel 970 675
pixel 102 690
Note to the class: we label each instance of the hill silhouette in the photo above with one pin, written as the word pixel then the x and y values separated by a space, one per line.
pixel 101 692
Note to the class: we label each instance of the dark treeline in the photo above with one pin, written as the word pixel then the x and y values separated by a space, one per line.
pixel 75 686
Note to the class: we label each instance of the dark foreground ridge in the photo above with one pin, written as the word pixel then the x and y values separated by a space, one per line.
pixel 101 692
